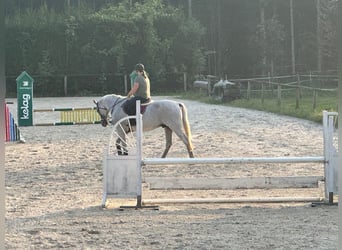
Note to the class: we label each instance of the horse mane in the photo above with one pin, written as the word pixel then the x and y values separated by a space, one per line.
pixel 118 96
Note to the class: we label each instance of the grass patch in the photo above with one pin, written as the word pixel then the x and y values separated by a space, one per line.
pixel 287 106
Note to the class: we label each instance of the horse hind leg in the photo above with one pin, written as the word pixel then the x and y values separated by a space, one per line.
pixel 168 141
pixel 185 140
pixel 189 148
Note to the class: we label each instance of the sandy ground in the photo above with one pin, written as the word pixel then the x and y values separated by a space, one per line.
pixel 54 186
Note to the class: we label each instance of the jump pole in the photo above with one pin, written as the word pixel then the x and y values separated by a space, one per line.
pixel 72 116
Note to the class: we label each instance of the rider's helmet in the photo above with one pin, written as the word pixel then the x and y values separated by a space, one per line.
pixel 140 67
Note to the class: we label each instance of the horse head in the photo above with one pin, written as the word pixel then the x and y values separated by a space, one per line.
pixel 107 104
pixel 103 112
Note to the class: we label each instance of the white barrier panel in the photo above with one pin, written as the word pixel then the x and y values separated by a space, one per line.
pixel 120 177
pixel 165 161
pixel 204 183
pixel 122 173
pixel 232 200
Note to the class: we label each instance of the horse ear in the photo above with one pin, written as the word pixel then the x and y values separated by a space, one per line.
pixel 95 102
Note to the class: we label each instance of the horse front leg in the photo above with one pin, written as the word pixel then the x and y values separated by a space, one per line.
pixel 121 146
pixel 118 146
pixel 124 146
pixel 168 141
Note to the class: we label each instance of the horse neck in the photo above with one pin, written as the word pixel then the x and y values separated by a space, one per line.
pixel 112 100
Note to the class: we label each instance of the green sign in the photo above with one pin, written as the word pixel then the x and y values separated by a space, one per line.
pixel 25 96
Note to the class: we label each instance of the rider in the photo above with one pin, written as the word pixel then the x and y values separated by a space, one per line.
pixel 139 91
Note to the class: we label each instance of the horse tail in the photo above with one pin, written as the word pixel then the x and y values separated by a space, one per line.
pixel 186 124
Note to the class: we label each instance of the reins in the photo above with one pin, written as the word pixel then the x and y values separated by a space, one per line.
pixel 117 101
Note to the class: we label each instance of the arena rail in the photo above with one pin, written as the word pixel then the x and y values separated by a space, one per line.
pixel 329 160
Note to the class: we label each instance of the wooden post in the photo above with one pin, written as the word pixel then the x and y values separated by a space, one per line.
pixel 262 93
pixel 298 92
pixel 298 83
pixel 279 94
pixel 125 84
pixel 209 89
pixel 314 101
pixel 185 82
pixel 65 85
pixel 248 90
pixel 270 86
pixel 297 97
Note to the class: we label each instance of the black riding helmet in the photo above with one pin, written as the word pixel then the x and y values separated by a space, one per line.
pixel 139 67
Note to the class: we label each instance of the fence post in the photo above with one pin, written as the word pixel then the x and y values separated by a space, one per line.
pixel 279 94
pixel 185 81
pixel 262 93
pixel 65 85
pixel 314 101
pixel 209 87
pixel 298 94
pixel 248 90
pixel 125 84
pixel 270 83
pixel 300 89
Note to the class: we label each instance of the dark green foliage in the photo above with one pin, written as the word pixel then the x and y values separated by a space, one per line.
pixel 96 42
pixel 95 49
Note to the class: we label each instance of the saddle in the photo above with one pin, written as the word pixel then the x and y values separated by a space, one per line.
pixel 129 107
pixel 143 106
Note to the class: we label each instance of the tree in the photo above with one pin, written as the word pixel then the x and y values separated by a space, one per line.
pixel 106 38
pixel 326 34
pixel 270 37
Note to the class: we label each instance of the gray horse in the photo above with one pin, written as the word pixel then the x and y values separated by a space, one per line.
pixel 170 115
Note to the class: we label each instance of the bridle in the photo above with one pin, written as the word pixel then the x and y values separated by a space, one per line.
pixel 104 120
